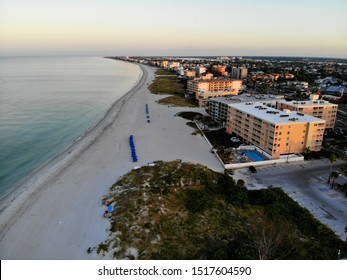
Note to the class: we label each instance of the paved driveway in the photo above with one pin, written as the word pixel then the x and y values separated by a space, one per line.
pixel 306 183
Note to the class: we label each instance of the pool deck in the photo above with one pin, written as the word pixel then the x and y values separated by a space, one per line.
pixel 255 156
pixel 239 158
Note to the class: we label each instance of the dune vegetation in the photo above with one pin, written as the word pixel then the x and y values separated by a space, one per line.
pixel 178 210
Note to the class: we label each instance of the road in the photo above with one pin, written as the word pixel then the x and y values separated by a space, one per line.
pixel 306 183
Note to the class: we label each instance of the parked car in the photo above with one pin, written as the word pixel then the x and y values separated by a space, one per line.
pixel 252 169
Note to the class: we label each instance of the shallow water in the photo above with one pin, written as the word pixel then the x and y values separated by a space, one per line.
pixel 47 102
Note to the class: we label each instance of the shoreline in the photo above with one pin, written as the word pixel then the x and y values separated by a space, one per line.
pixel 30 178
pixel 34 181
pixel 67 154
pixel 61 214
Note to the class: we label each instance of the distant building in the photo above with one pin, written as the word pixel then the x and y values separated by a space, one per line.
pixel 207 76
pixel 262 76
pixel 333 90
pixel 239 72
pixel 273 131
pixel 223 58
pixel 220 69
pixel 206 89
pixel 332 98
pixel 173 64
pixel 200 70
pixel 164 64
pixel 203 96
pixel 285 76
pixel 271 77
pixel 180 70
pixel 189 73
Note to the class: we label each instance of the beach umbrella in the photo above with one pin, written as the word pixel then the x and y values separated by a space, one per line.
pixel 110 208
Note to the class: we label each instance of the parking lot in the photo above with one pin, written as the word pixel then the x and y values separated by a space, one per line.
pixel 306 183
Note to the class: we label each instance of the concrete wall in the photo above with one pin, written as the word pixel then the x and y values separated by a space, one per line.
pixel 282 159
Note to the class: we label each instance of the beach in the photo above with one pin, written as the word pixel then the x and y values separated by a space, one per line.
pixel 57 213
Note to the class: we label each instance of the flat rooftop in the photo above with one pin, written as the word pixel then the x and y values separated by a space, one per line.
pixel 248 98
pixel 308 103
pixel 215 80
pixel 272 115
pixel 231 91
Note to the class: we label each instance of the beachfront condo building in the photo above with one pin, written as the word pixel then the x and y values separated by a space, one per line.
pixel 203 90
pixel 273 131
pixel 217 107
pixel 317 108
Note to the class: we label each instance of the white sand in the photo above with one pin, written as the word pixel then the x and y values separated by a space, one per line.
pixel 57 213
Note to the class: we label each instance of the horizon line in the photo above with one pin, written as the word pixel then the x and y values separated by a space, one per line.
pixel 175 56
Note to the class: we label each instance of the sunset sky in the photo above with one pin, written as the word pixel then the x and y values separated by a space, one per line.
pixel 174 27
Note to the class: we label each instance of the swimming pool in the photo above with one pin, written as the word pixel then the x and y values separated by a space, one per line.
pixel 254 156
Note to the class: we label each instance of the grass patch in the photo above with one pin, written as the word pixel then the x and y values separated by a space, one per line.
pixel 167 85
pixel 193 125
pixel 171 85
pixel 176 101
pixel 189 115
pixel 219 138
pixel 164 72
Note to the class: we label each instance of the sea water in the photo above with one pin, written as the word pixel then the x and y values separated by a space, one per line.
pixel 48 102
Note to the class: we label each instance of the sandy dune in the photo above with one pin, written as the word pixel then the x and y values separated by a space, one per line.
pixel 57 212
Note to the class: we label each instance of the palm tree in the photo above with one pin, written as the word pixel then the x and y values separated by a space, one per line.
pixel 332 158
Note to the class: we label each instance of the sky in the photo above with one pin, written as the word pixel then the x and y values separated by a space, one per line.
pixel 174 27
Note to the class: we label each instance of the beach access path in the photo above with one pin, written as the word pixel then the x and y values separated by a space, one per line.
pixel 58 213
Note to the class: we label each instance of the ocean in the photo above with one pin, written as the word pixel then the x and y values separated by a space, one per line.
pixel 48 102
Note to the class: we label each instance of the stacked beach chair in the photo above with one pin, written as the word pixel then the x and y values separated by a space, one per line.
pixel 132 147
pixel 147 112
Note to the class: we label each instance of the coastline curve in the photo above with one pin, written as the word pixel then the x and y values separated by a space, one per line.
pixel 19 198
